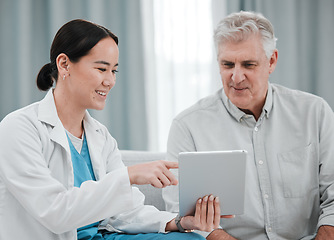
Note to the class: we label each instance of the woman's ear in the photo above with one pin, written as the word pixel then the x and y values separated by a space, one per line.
pixel 62 62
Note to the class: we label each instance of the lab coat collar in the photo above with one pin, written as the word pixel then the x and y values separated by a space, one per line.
pixel 95 140
pixel 47 113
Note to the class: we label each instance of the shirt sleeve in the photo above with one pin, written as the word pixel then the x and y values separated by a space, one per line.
pixel 326 166
pixel 141 218
pixel 27 177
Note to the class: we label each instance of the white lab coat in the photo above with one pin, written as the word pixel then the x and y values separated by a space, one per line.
pixel 37 197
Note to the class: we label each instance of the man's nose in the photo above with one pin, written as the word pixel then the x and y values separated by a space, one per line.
pixel 238 75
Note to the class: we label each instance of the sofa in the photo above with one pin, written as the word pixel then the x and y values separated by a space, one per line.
pixel 153 196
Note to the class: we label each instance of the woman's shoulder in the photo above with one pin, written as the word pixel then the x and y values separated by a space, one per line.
pixel 20 126
pixel 21 116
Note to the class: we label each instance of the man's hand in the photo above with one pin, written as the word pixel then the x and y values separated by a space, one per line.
pixel 219 234
pixel 155 173
pixel 325 232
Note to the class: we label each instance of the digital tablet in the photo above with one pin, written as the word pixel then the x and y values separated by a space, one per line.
pixel 220 173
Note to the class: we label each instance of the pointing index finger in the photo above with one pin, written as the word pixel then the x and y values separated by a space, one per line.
pixel 173 165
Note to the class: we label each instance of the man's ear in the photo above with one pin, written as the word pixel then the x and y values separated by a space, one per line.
pixel 273 61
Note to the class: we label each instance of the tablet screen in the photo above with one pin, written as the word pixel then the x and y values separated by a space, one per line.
pixel 220 173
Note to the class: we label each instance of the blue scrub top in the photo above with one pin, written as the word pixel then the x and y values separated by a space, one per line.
pixel 83 171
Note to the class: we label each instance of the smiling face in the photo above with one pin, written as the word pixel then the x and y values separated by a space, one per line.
pixel 90 79
pixel 245 69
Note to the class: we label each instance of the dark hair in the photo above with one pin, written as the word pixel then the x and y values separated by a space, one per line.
pixel 75 39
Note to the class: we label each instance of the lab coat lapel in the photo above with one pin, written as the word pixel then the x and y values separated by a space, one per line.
pixel 96 141
pixel 58 135
pixel 47 113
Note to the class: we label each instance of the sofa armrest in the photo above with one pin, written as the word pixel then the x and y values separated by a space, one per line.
pixel 153 196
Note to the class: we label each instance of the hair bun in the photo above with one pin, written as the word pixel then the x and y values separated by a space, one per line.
pixel 44 78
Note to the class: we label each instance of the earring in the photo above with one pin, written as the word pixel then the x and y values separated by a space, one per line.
pixel 64 77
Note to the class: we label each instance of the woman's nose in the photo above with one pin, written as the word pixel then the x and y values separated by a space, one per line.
pixel 110 80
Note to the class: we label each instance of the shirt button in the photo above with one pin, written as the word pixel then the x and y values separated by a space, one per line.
pixel 256 129
pixel 266 196
pixel 269 229
pixel 260 162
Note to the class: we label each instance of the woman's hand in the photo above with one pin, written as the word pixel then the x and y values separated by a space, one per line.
pixel 155 173
pixel 207 216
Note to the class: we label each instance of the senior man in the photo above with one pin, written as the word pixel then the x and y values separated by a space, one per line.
pixel 289 136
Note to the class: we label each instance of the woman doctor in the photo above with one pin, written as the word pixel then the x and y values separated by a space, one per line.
pixel 61 174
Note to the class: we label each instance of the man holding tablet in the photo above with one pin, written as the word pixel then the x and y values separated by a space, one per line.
pixel 288 134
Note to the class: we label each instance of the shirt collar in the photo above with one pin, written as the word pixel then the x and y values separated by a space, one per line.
pixel 238 114
pixel 269 101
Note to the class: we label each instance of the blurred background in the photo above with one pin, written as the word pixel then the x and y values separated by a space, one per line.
pixel 167 58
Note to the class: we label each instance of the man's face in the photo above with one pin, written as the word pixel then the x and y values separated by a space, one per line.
pixel 245 69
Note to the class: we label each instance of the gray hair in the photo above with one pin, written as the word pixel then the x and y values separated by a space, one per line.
pixel 239 26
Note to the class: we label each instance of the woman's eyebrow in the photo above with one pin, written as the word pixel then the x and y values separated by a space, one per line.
pixel 105 63
pixel 102 62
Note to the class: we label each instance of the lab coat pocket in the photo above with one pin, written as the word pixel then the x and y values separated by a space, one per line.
pixel 299 171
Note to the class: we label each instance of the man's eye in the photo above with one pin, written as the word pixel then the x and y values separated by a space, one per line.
pixel 102 69
pixel 250 65
pixel 114 71
pixel 228 65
